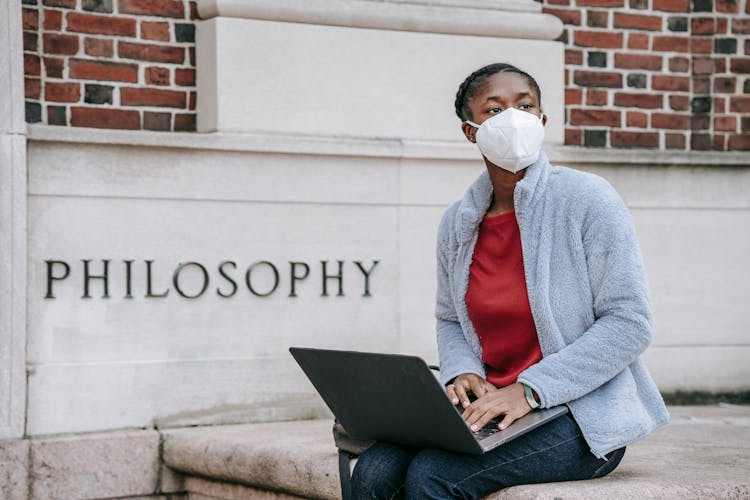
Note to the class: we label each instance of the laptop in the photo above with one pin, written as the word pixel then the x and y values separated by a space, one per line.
pixel 397 398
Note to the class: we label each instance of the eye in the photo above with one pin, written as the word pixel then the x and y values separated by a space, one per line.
pixel 526 106
pixel 495 110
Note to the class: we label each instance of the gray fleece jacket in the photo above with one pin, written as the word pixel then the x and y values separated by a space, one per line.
pixel 588 296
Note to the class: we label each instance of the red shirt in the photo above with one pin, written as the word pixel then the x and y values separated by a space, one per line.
pixel 498 302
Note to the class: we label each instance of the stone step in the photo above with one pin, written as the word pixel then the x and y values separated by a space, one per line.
pixel 703 453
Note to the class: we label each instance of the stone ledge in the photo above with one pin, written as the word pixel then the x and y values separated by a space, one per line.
pixel 701 454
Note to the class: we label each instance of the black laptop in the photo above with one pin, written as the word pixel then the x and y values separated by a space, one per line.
pixel 397 398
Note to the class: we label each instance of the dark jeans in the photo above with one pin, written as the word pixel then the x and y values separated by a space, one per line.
pixel 554 452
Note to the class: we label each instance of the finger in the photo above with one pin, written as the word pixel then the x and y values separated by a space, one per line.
pixel 450 390
pixel 506 421
pixel 482 419
pixel 462 395
pixel 477 386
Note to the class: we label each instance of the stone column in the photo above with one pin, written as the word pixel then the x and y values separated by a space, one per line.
pixel 12 224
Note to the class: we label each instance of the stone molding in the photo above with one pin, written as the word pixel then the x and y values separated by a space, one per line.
pixel 383 148
pixel 12 224
pixel 518 19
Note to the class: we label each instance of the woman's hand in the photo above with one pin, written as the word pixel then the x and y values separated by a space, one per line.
pixel 509 401
pixel 468 383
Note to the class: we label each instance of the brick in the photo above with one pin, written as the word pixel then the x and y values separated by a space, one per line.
pixel 53 67
pixel 722 25
pixel 700 104
pixel 68 4
pixel 595 117
pixel 636 119
pixel 105 118
pixel 725 85
pixel 720 65
pixel 745 123
pixel 703 6
pixel 132 96
pixel 32 88
pixel 700 122
pixel 154 31
pixel 739 65
pixel 680 83
pixel 55 43
pixel 679 102
pixel 703 26
pixel 151 52
pixel 637 80
pixel 638 4
pixel 191 54
pixel 597 59
pixel 184 122
pixel 558 2
pixel 597 18
pixel 701 85
pixel 573 56
pixel 741 26
pixel 679 64
pixel 702 66
pixel 101 25
pixel 98 47
pixel 638 61
pixel 700 142
pixel 52 20
pixel 701 45
pixel 564 36
pixel 98 94
pixel 192 100
pixel 184 32
pixel 597 79
pixel 33 112
pixel 30 41
pixel 30 19
pixel 595 138
pixel 719 142
pixel 600 3
pixel 675 141
pixel 156 75
pixel 671 44
pixel 746 86
pixel 727 6
pixel 672 5
pixel 157 121
pixel 600 39
pixel 739 104
pixel 573 96
pixel 184 77
pixel 637 21
pixel 747 47
pixel 720 105
pixel 31 65
pixel 96 70
pixel 638 41
pixel 567 16
pixel 62 92
pixel 103 6
pixel 194 10
pixel 623 139
pixel 631 100
pixel 677 24
pixel 725 123
pixel 595 97
pixel 573 137
pixel 162 8
pixel 739 142
pixel 57 115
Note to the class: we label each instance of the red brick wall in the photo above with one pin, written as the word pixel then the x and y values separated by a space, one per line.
pixel 668 74
pixel 122 64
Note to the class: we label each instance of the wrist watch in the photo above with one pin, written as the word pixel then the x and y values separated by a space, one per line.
pixel 530 397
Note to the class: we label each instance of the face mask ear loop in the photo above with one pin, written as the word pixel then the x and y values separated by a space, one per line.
pixel 472 123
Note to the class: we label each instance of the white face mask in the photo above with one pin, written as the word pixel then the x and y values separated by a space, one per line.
pixel 512 139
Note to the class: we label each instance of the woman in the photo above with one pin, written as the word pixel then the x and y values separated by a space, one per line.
pixel 541 301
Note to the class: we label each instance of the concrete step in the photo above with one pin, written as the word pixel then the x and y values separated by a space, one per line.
pixel 703 453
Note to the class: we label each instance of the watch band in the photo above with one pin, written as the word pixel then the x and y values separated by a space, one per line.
pixel 530 397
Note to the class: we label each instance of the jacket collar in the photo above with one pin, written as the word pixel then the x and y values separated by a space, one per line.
pixel 478 197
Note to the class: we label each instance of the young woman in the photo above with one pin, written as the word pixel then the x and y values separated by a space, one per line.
pixel 541 301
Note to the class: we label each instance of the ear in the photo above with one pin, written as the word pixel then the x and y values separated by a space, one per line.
pixel 469 131
pixel 544 119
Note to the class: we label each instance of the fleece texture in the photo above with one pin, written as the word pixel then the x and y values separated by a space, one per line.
pixel 588 295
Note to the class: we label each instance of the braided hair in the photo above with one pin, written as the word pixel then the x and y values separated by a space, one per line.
pixel 475 80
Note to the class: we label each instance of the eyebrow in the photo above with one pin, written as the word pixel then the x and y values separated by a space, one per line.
pixel 519 95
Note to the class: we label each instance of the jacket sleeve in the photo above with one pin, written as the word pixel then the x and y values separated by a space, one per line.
pixel 456 356
pixel 622 326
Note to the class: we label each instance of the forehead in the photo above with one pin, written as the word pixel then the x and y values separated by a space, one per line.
pixel 504 85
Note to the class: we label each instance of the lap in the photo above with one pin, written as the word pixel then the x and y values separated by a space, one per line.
pixel 554 452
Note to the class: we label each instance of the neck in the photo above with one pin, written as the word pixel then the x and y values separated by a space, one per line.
pixel 503 185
